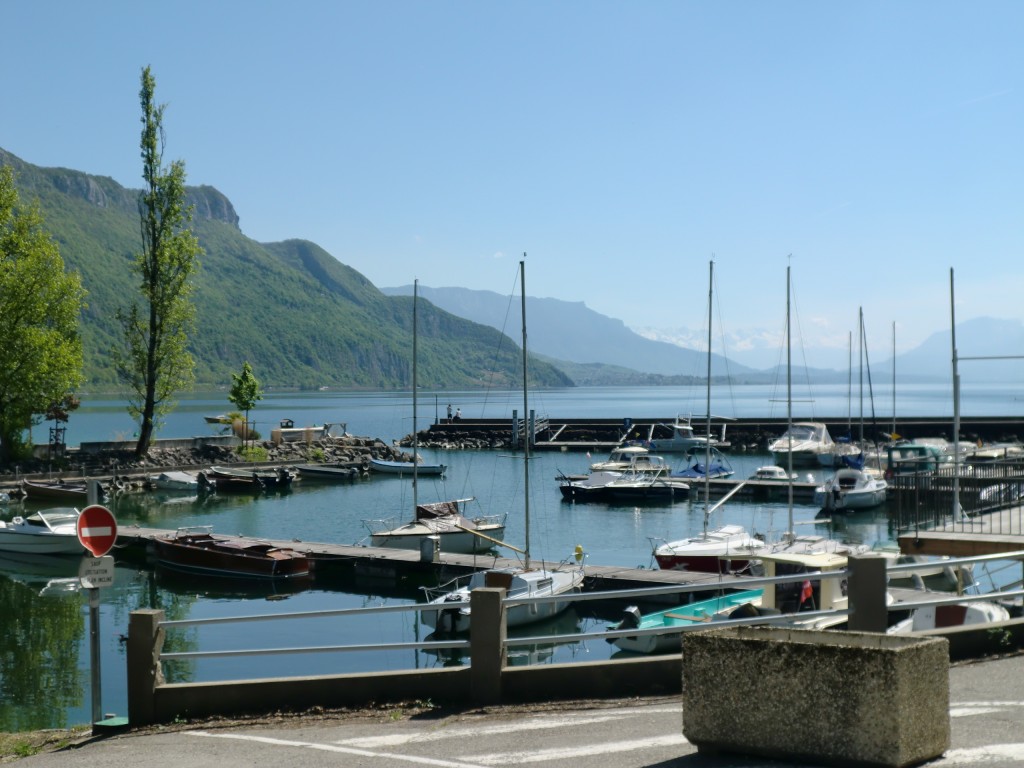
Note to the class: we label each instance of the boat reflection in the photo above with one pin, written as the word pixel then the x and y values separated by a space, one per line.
pixel 49 575
pixel 566 623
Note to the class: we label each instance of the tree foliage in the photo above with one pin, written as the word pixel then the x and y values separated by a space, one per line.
pixel 245 392
pixel 40 305
pixel 155 361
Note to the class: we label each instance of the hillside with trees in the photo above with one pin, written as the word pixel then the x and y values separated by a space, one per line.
pixel 299 316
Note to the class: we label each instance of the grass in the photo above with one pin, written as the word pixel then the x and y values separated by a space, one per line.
pixel 14 746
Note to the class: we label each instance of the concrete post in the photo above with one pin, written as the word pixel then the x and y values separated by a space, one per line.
pixel 487 632
pixel 145 641
pixel 866 593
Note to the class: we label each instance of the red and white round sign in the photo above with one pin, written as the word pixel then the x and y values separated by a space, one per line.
pixel 97 529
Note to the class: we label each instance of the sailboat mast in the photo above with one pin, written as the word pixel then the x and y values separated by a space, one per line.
pixel 415 440
pixel 860 337
pixel 526 416
pixel 956 402
pixel 789 403
pixel 707 444
pixel 894 378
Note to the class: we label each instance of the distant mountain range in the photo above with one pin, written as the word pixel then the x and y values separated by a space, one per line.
pixel 304 319
pixel 569 332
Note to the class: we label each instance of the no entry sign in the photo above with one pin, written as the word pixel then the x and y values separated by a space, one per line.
pixel 97 529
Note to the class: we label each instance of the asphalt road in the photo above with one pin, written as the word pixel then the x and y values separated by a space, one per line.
pixel 987 722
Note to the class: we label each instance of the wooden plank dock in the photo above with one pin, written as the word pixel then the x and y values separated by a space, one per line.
pixel 391 563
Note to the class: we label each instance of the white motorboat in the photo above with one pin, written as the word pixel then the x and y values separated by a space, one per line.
pixel 772 474
pixel 851 489
pixel 802 443
pixel 638 469
pixel 679 437
pixel 621 458
pixel 49 532
pixel 445 520
pixel 175 481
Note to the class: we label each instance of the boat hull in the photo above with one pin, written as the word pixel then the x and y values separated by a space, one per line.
pixel 236 558
pixel 405 468
pixel 457 541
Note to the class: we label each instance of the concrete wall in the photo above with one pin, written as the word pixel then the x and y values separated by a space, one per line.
pixel 848 698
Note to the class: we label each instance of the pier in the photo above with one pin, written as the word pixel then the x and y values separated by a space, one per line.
pixel 602 434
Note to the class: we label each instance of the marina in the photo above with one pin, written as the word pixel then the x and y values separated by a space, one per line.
pixel 617 541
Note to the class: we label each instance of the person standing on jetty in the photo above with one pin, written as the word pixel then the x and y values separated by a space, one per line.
pixel 449 413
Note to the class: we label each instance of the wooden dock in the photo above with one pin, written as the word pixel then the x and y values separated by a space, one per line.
pixel 385 563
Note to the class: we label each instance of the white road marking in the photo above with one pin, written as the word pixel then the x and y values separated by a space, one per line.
pixel 539 723
pixel 336 748
pixel 982 755
pixel 571 753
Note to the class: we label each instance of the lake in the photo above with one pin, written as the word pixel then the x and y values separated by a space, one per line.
pixel 44 643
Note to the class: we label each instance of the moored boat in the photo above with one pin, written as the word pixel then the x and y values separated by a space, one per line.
pixel 389 467
pixel 58 489
pixel 850 489
pixel 175 481
pixel 46 532
pixel 445 521
pixel 269 479
pixel 698 612
pixel 197 550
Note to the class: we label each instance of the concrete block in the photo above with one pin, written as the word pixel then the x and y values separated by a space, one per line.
pixel 838 698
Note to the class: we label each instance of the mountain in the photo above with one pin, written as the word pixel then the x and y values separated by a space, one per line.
pixel 294 312
pixel 569 331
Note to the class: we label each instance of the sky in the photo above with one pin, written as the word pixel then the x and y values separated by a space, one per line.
pixel 871 147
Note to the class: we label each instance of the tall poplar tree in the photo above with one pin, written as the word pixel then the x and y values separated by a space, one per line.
pixel 155 362
pixel 40 304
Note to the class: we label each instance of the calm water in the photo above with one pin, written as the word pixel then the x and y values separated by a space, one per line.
pixel 44 675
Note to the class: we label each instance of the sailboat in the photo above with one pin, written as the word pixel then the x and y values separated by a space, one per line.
pixel 527 581
pixel 728 548
pixel 852 486
pixel 790 543
pixel 442 522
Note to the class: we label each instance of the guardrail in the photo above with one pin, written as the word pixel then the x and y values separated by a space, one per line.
pixel 487 678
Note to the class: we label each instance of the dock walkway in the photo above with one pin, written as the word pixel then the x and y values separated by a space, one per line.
pixel 387 562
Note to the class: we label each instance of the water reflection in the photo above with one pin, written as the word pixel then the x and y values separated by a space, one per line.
pixel 42 628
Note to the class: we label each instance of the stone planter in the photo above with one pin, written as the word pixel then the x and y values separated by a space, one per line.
pixel 841 698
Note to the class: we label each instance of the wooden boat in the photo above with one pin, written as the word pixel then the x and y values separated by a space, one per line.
pixel 197 550
pixel 58 489
pixel 699 612
pixel 49 532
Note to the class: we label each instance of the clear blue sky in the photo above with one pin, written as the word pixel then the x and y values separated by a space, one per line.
pixel 620 145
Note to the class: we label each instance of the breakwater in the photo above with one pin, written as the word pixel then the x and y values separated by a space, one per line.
pixel 552 433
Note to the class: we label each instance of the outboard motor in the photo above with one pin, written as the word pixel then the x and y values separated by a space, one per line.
pixel 630 618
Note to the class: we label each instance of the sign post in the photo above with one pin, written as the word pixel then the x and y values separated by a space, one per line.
pixel 97 531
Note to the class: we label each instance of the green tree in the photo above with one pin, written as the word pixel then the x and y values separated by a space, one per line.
pixel 40 305
pixel 155 362
pixel 245 393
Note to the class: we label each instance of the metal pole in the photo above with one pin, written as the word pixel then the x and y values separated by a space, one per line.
pixel 94 653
